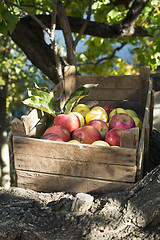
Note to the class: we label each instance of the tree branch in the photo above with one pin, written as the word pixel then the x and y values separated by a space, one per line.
pixel 128 23
pixel 54 44
pixel 105 58
pixel 64 24
pixel 112 54
pixel 84 25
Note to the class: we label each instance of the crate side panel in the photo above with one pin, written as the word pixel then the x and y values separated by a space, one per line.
pixel 109 82
pixel 113 94
pixel 53 183
pixel 74 152
pixel 142 155
pixel 76 168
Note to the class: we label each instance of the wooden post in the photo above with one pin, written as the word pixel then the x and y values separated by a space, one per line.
pixel 130 138
pixel 69 83
pixel 144 83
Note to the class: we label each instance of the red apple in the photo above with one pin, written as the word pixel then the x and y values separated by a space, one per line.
pixel 52 137
pixel 101 126
pixel 113 137
pixel 108 109
pixel 60 131
pixel 122 121
pixel 86 134
pixel 69 121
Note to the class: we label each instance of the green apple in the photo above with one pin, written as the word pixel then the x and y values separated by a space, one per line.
pixel 115 111
pixel 101 143
pixel 138 122
pixel 121 110
pixel 131 113
pixel 112 113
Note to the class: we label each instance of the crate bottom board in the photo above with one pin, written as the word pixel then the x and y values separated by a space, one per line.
pixel 43 182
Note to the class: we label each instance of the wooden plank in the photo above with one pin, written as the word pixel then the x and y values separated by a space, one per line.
pixel 74 152
pixel 144 139
pixel 144 83
pixel 75 168
pixel 18 128
pixel 38 130
pixel 55 183
pixel 113 94
pixel 130 138
pixel 31 120
pixel 110 82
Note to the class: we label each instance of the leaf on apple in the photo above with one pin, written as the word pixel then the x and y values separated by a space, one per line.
pixel 76 96
pixel 41 99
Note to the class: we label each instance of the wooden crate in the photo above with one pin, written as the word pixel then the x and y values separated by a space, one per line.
pixel 49 166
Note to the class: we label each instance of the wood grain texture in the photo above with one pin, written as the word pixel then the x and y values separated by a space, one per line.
pixel 110 82
pixel 74 152
pixel 55 183
pixel 130 138
pixel 76 168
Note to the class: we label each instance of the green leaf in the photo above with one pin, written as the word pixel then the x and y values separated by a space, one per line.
pixel 76 96
pixel 41 100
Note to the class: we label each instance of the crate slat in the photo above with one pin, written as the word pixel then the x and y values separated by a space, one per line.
pixel 53 183
pixel 76 168
pixel 74 152
pixel 110 82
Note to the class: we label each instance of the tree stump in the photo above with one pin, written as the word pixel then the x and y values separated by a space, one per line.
pixel 132 214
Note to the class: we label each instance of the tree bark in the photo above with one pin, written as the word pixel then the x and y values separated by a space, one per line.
pixel 4 149
pixel 132 214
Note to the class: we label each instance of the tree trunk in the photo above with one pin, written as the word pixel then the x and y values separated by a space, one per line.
pixel 4 149
pixel 132 214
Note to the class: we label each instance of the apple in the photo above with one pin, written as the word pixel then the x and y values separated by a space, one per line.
pixel 73 141
pixel 80 117
pixel 112 113
pixel 101 143
pixel 115 111
pixel 101 126
pixel 138 122
pixel 108 109
pixel 82 109
pixel 52 137
pixel 113 137
pixel 86 134
pixel 96 113
pixel 121 110
pixel 122 121
pixel 68 121
pixel 131 113
pixel 60 131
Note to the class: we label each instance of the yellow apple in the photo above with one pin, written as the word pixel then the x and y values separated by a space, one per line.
pixel 84 113
pixel 81 118
pixel 131 113
pixel 138 122
pixel 96 113
pixel 73 141
pixel 101 143
pixel 81 108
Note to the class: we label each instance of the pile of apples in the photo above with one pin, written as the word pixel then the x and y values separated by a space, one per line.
pixel 97 126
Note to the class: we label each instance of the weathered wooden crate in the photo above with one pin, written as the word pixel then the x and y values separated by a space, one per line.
pixel 49 166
